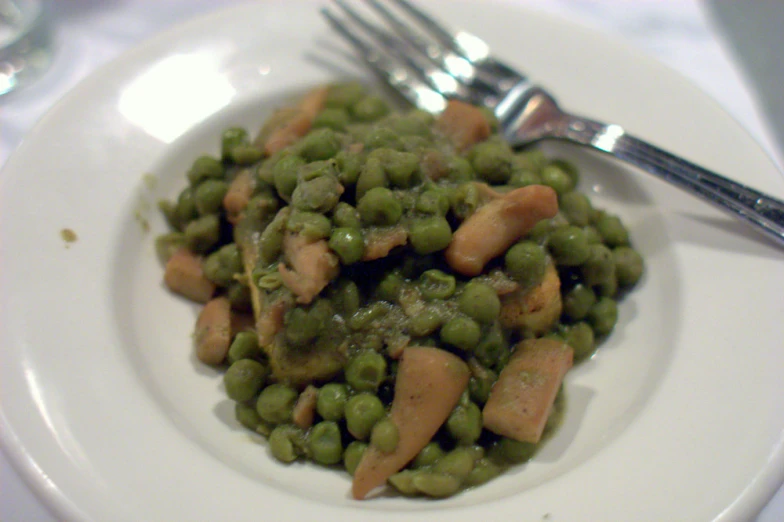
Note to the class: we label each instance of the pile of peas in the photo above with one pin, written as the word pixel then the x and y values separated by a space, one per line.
pixel 406 175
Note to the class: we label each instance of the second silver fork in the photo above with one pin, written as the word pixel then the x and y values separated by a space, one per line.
pixel 429 64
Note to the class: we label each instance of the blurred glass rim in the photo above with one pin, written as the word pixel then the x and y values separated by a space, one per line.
pixel 21 15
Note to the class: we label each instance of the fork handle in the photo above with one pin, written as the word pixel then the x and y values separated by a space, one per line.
pixel 764 212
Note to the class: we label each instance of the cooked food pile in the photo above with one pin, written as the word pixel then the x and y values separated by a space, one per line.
pixel 398 294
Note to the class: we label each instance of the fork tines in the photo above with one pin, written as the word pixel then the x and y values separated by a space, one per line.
pixel 424 61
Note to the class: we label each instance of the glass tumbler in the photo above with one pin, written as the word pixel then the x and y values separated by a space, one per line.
pixel 24 42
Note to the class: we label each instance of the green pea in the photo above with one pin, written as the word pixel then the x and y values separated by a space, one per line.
pixel 592 235
pixel 325 444
pixel 238 294
pixel 345 296
pixel 578 301
pixel 426 322
pixel 492 161
pixel 271 239
pixel 569 168
pixel 346 216
pixel 332 118
pixel 430 234
pixel 208 196
pixel 389 287
pixel 282 443
pixel 205 167
pixel 479 387
pixel 493 350
pixel 203 233
pixel 513 451
pixel 244 379
pixel 415 144
pixel 577 208
pixel 484 471
pixel 348 244
pixel 461 332
pixel 232 138
pixel 555 178
pixel 531 159
pixel 276 402
pixel 364 317
pixel 580 337
pixel 628 265
pixel 167 244
pixel 320 194
pixel 526 263
pixel 435 284
pixel 612 230
pixel 319 144
pixel 269 280
pixel 465 424
pixel 603 315
pixel 385 435
pixel 382 138
pixel 331 401
pixel 353 455
pixel 311 225
pixel 221 266
pixel 260 208
pixel 185 210
pixel 371 176
pixel 245 345
pixel 464 200
pixel 569 246
pixel 344 94
pixel 369 109
pixel 608 287
pixel 436 485
pixel 366 370
pixel 403 482
pixel 433 202
pixel 428 456
pixel 411 124
pixel 479 301
pixel 362 412
pixel 459 169
pixel 599 267
pixel 247 416
pixel 349 166
pixel 317 169
pixel 458 463
pixel 379 207
pixel 285 175
pixel 246 154
pixel 303 326
pixel 400 167
pixel 524 178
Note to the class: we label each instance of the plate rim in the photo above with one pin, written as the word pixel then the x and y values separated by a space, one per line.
pixel 17 455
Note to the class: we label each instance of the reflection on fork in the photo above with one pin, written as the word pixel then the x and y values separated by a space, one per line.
pixel 429 64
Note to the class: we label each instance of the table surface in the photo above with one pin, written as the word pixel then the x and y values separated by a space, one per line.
pixel 690 36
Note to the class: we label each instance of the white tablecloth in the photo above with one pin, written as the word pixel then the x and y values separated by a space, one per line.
pixel 88 33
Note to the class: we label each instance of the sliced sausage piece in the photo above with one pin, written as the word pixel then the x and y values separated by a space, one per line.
pixel 212 335
pixel 523 396
pixel 496 226
pixel 238 196
pixel 380 242
pixel 313 266
pixel 184 275
pixel 298 123
pixel 428 386
pixel 464 124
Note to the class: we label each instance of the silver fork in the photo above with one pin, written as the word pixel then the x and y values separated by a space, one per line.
pixel 429 64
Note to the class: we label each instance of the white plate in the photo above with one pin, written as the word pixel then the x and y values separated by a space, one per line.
pixel 106 412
